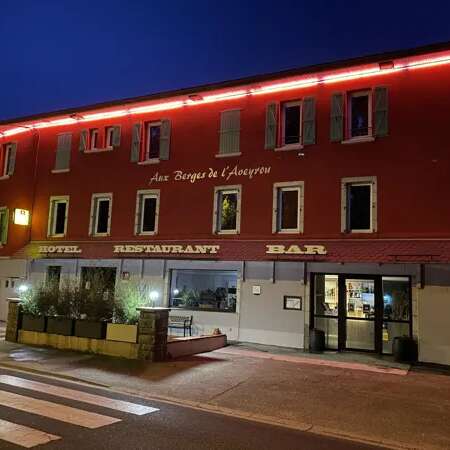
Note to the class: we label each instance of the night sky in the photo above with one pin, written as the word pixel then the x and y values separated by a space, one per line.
pixel 61 54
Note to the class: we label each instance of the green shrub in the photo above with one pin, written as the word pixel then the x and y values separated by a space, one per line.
pixel 41 300
pixel 129 296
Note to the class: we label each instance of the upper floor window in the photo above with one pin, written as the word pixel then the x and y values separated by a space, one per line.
pixel 100 223
pixel 100 139
pixel 4 222
pixel 7 159
pixel 147 211
pixel 359 205
pixel 227 203
pixel 63 152
pixel 57 219
pixel 359 116
pixel 150 142
pixel 297 127
pixel 230 130
pixel 288 207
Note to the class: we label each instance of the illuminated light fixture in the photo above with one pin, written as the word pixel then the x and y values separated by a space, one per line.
pixel 225 96
pixel 23 288
pixel 21 217
pixel 158 107
pixel 154 295
pixel 382 68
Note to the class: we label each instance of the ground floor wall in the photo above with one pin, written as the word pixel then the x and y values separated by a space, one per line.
pixel 261 315
pixel 12 272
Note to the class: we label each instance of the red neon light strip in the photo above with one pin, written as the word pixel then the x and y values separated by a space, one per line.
pixel 231 95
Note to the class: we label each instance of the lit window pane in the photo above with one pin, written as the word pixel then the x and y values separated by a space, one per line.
pixel 228 211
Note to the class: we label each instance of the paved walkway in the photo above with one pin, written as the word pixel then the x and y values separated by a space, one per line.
pixel 371 401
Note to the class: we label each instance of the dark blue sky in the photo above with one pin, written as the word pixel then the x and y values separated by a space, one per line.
pixel 59 53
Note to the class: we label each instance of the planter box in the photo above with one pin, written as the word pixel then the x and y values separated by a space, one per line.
pixel 33 323
pixel 90 329
pixel 60 325
pixel 121 332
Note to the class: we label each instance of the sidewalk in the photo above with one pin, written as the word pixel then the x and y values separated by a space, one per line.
pixel 352 396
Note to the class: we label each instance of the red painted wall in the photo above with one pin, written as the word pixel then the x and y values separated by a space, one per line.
pixel 412 166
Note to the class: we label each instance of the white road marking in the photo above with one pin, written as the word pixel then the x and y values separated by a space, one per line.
pixel 71 394
pixel 24 436
pixel 54 411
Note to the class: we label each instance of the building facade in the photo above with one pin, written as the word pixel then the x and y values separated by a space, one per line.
pixel 265 206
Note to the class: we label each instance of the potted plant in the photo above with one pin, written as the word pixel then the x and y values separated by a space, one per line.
pixel 36 303
pixel 94 308
pixel 129 297
pixel 62 322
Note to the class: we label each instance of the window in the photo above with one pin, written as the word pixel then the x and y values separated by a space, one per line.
pixel 206 290
pixel 360 114
pixel 359 205
pixel 53 276
pixel 4 221
pixel 7 159
pixel 63 151
pixel 109 135
pixel 227 201
pixel 57 220
pixel 101 214
pixel 147 210
pixel 152 147
pixel 230 129
pixel 291 123
pixel 94 139
pixel 288 207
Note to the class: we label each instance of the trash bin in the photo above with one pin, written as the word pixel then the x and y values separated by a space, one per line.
pixel 404 349
pixel 316 341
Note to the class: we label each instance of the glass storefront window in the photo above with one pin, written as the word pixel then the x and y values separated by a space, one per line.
pixel 326 295
pixel 206 290
pixel 396 298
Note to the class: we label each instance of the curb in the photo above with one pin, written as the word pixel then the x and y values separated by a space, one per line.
pixel 215 409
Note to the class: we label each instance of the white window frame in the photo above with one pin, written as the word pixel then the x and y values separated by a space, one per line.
pixel 109 137
pixel 297 145
pixel 54 201
pixel 359 181
pixel 7 149
pixel 227 190
pixel 147 141
pixel 94 132
pixel 93 223
pixel 298 186
pixel 364 93
pixel 139 216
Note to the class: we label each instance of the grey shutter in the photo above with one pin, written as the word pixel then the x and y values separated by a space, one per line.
pixel 83 140
pixel 309 121
pixel 271 126
pixel 230 130
pixel 12 159
pixel 4 226
pixel 337 118
pixel 164 139
pixel 63 151
pixel 381 111
pixel 136 142
pixel 116 137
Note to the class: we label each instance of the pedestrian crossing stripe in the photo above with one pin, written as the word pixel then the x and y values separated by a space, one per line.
pixel 72 394
pixel 24 436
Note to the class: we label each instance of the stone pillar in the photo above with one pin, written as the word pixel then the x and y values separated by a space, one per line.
pixel 12 323
pixel 152 333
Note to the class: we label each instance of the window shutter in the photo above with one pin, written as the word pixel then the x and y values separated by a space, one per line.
pixel 381 111
pixel 12 159
pixel 309 121
pixel 230 130
pixel 137 220
pixel 116 137
pixel 164 141
pixel 337 118
pixel 83 141
pixel 136 142
pixel 271 126
pixel 63 151
pixel 4 230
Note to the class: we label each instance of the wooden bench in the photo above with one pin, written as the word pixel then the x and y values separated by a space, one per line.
pixel 184 322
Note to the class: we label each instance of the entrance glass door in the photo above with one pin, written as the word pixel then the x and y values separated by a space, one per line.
pixel 360 314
